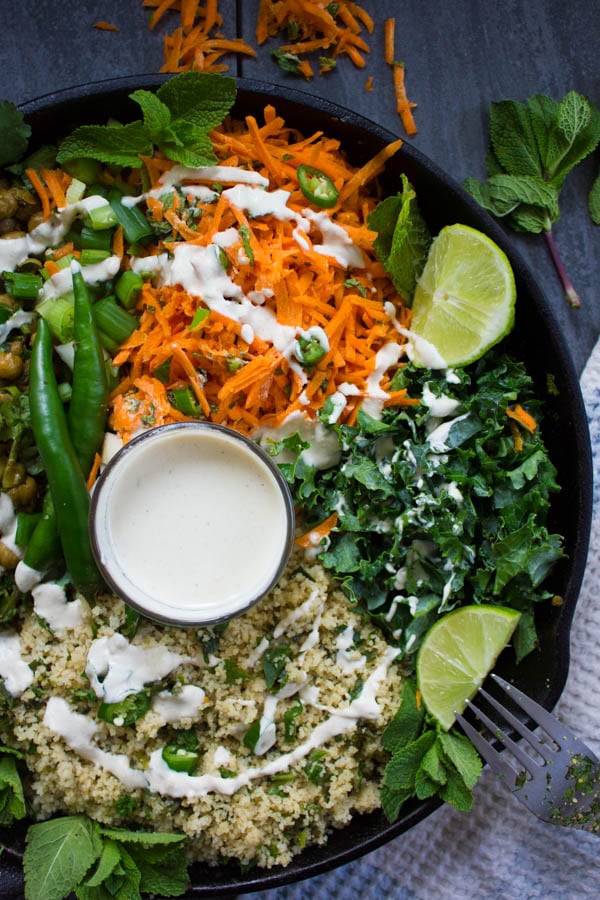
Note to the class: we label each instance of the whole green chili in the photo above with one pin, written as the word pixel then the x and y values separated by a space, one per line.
pixel 43 547
pixel 88 405
pixel 70 495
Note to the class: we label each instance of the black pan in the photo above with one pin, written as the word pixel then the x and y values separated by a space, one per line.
pixel 536 339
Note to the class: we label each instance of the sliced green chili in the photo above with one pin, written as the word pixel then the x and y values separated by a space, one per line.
pixel 317 187
pixel 126 711
pixel 70 495
pixel 179 759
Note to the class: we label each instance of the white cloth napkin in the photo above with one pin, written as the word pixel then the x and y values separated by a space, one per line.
pixel 498 851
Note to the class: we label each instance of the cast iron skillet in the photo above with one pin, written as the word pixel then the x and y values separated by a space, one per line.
pixel 536 340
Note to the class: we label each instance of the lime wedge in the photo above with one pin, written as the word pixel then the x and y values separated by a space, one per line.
pixel 464 301
pixel 457 654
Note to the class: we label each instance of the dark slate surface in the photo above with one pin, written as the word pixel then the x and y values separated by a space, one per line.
pixel 459 56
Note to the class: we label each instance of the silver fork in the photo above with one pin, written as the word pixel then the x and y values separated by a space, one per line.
pixel 560 781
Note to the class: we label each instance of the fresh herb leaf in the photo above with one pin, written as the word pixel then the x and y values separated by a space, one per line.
pixel 177 120
pixel 403 238
pixel 58 855
pixel 533 147
pixel 274 663
pixel 12 799
pixel 14 133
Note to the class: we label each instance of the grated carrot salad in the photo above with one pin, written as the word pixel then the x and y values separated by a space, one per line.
pixel 250 384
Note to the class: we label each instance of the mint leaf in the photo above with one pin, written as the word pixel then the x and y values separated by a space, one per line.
pixel 157 116
pixel 119 145
pixel 407 722
pixel 12 800
pixel 531 144
pixel 459 751
pixel 455 791
pixel 14 133
pixel 108 862
pixel 164 873
pixel 117 877
pixel 403 238
pixel 148 838
pixel 57 856
pixel 202 99
pixel 189 146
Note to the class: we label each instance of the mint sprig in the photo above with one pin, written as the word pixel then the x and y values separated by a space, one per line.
pixel 177 120
pixel 403 238
pixel 76 854
pixel 533 147
pixel 425 760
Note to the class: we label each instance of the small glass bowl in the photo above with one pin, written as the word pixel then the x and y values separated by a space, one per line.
pixel 191 523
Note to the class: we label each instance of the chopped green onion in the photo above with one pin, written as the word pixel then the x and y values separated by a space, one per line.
pixel 101 217
pixel 128 288
pixel 91 256
pixel 200 316
pixel 22 285
pixel 65 261
pixel 135 224
pixel 75 191
pixel 95 240
pixel 114 321
pixel 59 314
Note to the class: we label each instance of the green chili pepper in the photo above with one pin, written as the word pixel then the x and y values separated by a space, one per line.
pixel 126 711
pixel 70 495
pixel 88 406
pixel 317 187
pixel 179 759
pixel 43 547
pixel 309 350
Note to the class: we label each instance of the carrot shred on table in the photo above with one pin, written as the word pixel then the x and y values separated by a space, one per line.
pixel 403 104
pixel 389 40
pixel 105 26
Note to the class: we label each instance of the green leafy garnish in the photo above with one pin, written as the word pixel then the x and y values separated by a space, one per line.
pixel 533 147
pixel 14 133
pixel 403 238
pixel 425 760
pixel 177 120
pixel 76 854
pixel 12 800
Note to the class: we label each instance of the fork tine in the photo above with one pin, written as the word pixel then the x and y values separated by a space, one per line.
pixel 495 761
pixel 540 716
pixel 496 731
pixel 543 749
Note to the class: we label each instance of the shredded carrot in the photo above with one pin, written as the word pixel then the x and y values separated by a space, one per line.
pixel 94 471
pixel 51 267
pixel 196 43
pixel 389 39
pixel 403 104
pixel 105 26
pixel 520 415
pixel 41 191
pixel 317 534
pixel 64 250
pixel 369 84
pixel 239 378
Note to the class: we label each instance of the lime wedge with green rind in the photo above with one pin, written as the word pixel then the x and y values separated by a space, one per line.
pixel 464 301
pixel 458 653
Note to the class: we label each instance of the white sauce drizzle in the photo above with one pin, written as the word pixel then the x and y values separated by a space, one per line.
pixel 117 668
pixel 51 604
pixel 186 704
pixel 13 669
